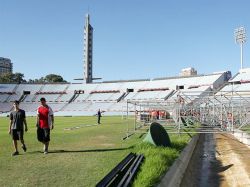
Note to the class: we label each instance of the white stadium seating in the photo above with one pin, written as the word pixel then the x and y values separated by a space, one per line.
pixel 111 97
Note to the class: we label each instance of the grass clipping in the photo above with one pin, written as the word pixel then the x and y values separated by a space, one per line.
pixel 157 161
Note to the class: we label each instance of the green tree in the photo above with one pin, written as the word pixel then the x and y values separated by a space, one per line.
pixel 12 78
pixel 18 78
pixel 6 78
pixel 53 78
pixel 41 80
pixel 30 81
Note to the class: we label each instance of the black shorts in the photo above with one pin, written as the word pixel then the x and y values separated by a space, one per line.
pixel 17 134
pixel 43 135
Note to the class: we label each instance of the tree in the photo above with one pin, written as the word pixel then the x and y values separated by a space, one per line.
pixel 6 78
pixel 53 78
pixel 41 80
pixel 30 81
pixel 18 78
pixel 12 78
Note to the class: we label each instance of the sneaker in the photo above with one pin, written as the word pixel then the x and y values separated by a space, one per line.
pixel 24 148
pixel 44 148
pixel 15 153
pixel 45 152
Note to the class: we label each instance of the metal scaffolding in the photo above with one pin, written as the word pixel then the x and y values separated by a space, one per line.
pixel 218 111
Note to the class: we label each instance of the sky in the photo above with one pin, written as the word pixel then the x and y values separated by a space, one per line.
pixel 133 39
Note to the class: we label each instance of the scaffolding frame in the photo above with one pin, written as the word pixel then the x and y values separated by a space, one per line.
pixel 219 111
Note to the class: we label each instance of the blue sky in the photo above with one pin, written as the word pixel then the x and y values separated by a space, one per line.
pixel 132 39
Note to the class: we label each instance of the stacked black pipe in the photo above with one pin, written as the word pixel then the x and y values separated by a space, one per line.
pixel 124 173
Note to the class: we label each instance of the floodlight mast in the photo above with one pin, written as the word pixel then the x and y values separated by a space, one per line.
pixel 240 38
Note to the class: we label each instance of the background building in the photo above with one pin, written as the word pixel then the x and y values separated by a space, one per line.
pixel 188 72
pixel 5 66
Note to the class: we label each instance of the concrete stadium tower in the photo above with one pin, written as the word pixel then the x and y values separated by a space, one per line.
pixel 88 51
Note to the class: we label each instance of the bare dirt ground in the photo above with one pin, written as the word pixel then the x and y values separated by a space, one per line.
pixel 234 156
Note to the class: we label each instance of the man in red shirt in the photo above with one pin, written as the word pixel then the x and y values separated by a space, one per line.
pixel 45 122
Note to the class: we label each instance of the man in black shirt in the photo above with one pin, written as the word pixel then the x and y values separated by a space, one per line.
pixel 99 115
pixel 16 128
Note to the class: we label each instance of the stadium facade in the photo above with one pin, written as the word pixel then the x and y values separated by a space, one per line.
pixel 5 66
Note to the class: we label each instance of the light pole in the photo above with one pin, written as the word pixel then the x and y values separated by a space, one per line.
pixel 240 38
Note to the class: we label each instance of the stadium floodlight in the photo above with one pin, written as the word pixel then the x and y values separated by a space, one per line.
pixel 240 38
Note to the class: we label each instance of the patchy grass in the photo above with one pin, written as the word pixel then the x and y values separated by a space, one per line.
pixel 83 156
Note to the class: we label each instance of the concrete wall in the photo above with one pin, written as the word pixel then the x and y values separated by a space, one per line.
pixel 175 174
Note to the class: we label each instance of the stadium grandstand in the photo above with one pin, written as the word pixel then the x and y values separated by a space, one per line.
pixel 112 97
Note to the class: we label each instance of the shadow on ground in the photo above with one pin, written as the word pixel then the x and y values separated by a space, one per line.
pixel 82 151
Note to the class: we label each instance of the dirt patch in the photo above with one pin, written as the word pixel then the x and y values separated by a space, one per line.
pixel 107 145
pixel 230 152
pixel 101 137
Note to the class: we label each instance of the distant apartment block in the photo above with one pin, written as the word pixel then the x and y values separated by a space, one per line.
pixel 5 66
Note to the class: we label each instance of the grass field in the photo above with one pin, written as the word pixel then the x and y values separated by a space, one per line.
pixel 246 128
pixel 83 156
